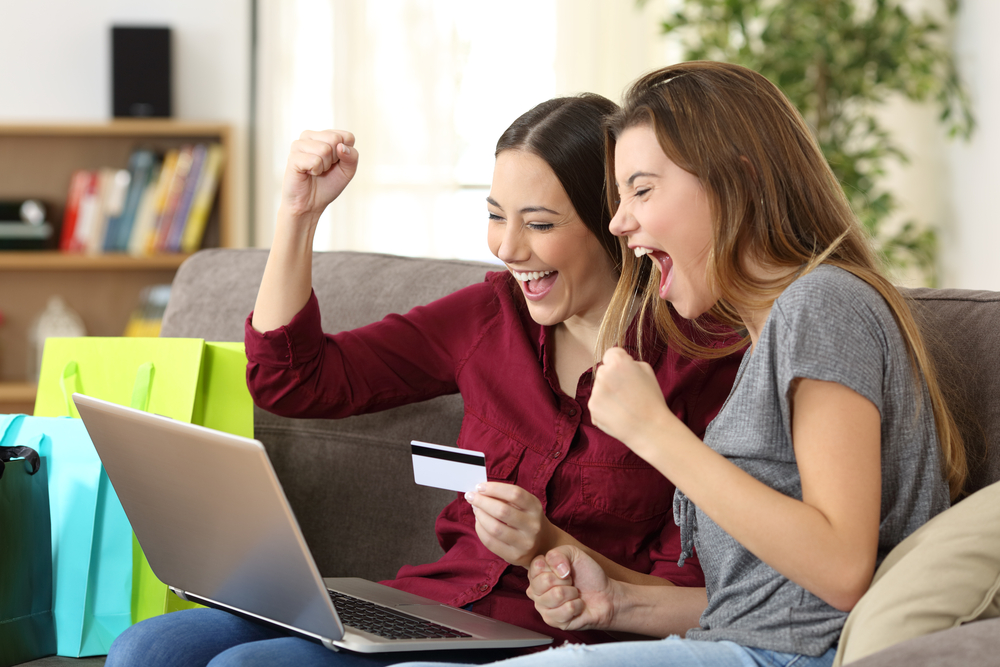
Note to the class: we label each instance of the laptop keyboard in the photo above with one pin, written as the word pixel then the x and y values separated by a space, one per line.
pixel 387 622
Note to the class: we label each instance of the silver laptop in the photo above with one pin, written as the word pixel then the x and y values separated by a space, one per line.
pixel 214 523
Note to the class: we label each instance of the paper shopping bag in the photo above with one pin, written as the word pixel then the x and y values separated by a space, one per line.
pixel 223 403
pixel 106 368
pixel 27 631
pixel 90 555
pixel 185 379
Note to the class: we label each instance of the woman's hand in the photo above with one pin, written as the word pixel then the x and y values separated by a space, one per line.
pixel 571 591
pixel 510 522
pixel 627 402
pixel 319 167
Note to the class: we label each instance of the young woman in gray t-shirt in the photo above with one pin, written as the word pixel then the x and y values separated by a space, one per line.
pixel 835 442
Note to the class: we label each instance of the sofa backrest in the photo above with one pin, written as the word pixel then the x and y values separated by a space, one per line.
pixel 962 331
pixel 350 480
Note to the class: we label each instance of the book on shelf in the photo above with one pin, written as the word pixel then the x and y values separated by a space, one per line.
pixel 79 183
pixel 204 197
pixel 175 190
pixel 140 166
pixel 90 200
pixel 158 204
pixel 114 187
pixel 172 243
pixel 145 215
pixel 143 239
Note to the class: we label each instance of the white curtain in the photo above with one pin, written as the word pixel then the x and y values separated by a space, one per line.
pixel 428 86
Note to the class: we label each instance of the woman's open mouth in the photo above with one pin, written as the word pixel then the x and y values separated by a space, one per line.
pixel 666 265
pixel 535 284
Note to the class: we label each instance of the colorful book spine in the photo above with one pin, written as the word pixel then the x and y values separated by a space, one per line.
pixel 201 207
pixel 173 198
pixel 113 186
pixel 173 243
pixel 146 245
pixel 79 182
pixel 119 228
pixel 145 215
pixel 86 217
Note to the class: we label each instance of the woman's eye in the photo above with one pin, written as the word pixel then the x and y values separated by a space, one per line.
pixel 641 192
pixel 539 226
pixel 495 218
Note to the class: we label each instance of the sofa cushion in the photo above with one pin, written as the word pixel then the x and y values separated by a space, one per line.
pixel 945 574
pixel 971 644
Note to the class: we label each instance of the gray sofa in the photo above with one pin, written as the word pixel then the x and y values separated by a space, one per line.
pixel 350 480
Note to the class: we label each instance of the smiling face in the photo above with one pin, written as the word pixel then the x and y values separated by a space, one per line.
pixel 563 270
pixel 665 213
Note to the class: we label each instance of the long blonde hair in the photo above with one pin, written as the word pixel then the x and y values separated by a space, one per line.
pixel 774 201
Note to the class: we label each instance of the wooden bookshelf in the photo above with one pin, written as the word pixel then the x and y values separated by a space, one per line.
pixel 36 161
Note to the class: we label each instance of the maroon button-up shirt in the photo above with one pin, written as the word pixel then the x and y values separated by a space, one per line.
pixel 481 342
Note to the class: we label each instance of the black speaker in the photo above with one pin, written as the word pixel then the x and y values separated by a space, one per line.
pixel 140 76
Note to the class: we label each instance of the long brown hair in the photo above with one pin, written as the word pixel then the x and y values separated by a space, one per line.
pixel 775 202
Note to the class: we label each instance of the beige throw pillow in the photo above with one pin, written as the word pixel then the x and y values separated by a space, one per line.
pixel 943 575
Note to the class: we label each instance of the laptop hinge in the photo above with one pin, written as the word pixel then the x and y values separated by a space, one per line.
pixel 250 616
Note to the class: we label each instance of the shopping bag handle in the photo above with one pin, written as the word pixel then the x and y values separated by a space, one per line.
pixel 140 388
pixel 71 372
pixel 20 452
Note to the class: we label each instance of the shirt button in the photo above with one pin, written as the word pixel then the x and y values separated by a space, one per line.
pixel 572 412
pixel 484 587
pixel 556 455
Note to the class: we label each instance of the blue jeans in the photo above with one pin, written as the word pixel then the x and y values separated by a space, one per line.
pixel 199 637
pixel 669 652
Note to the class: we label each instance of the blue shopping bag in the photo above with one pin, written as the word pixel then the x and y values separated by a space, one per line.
pixel 26 627
pixel 91 539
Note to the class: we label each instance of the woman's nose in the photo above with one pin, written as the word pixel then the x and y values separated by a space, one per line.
pixel 621 223
pixel 512 246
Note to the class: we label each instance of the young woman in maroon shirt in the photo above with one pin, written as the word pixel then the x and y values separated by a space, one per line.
pixel 519 347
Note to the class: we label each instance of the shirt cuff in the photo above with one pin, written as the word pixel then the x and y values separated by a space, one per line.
pixel 289 345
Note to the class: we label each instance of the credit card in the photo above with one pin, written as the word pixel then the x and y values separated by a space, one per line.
pixel 445 467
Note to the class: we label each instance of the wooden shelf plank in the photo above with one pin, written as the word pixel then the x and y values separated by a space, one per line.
pixel 121 128
pixel 28 260
pixel 17 391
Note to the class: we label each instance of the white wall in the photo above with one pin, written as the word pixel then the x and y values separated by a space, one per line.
pixel 55 63
pixel 971 255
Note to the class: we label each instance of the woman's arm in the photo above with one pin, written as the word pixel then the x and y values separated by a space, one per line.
pixel 319 167
pixel 827 542
pixel 572 592
pixel 511 524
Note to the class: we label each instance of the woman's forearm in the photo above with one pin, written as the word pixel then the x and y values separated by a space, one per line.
pixel 656 611
pixel 682 610
pixel 287 281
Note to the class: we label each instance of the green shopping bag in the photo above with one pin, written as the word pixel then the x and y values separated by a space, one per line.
pixel 223 403
pixel 189 380
pixel 26 626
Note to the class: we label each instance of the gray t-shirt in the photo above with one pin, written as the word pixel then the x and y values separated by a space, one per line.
pixel 827 325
